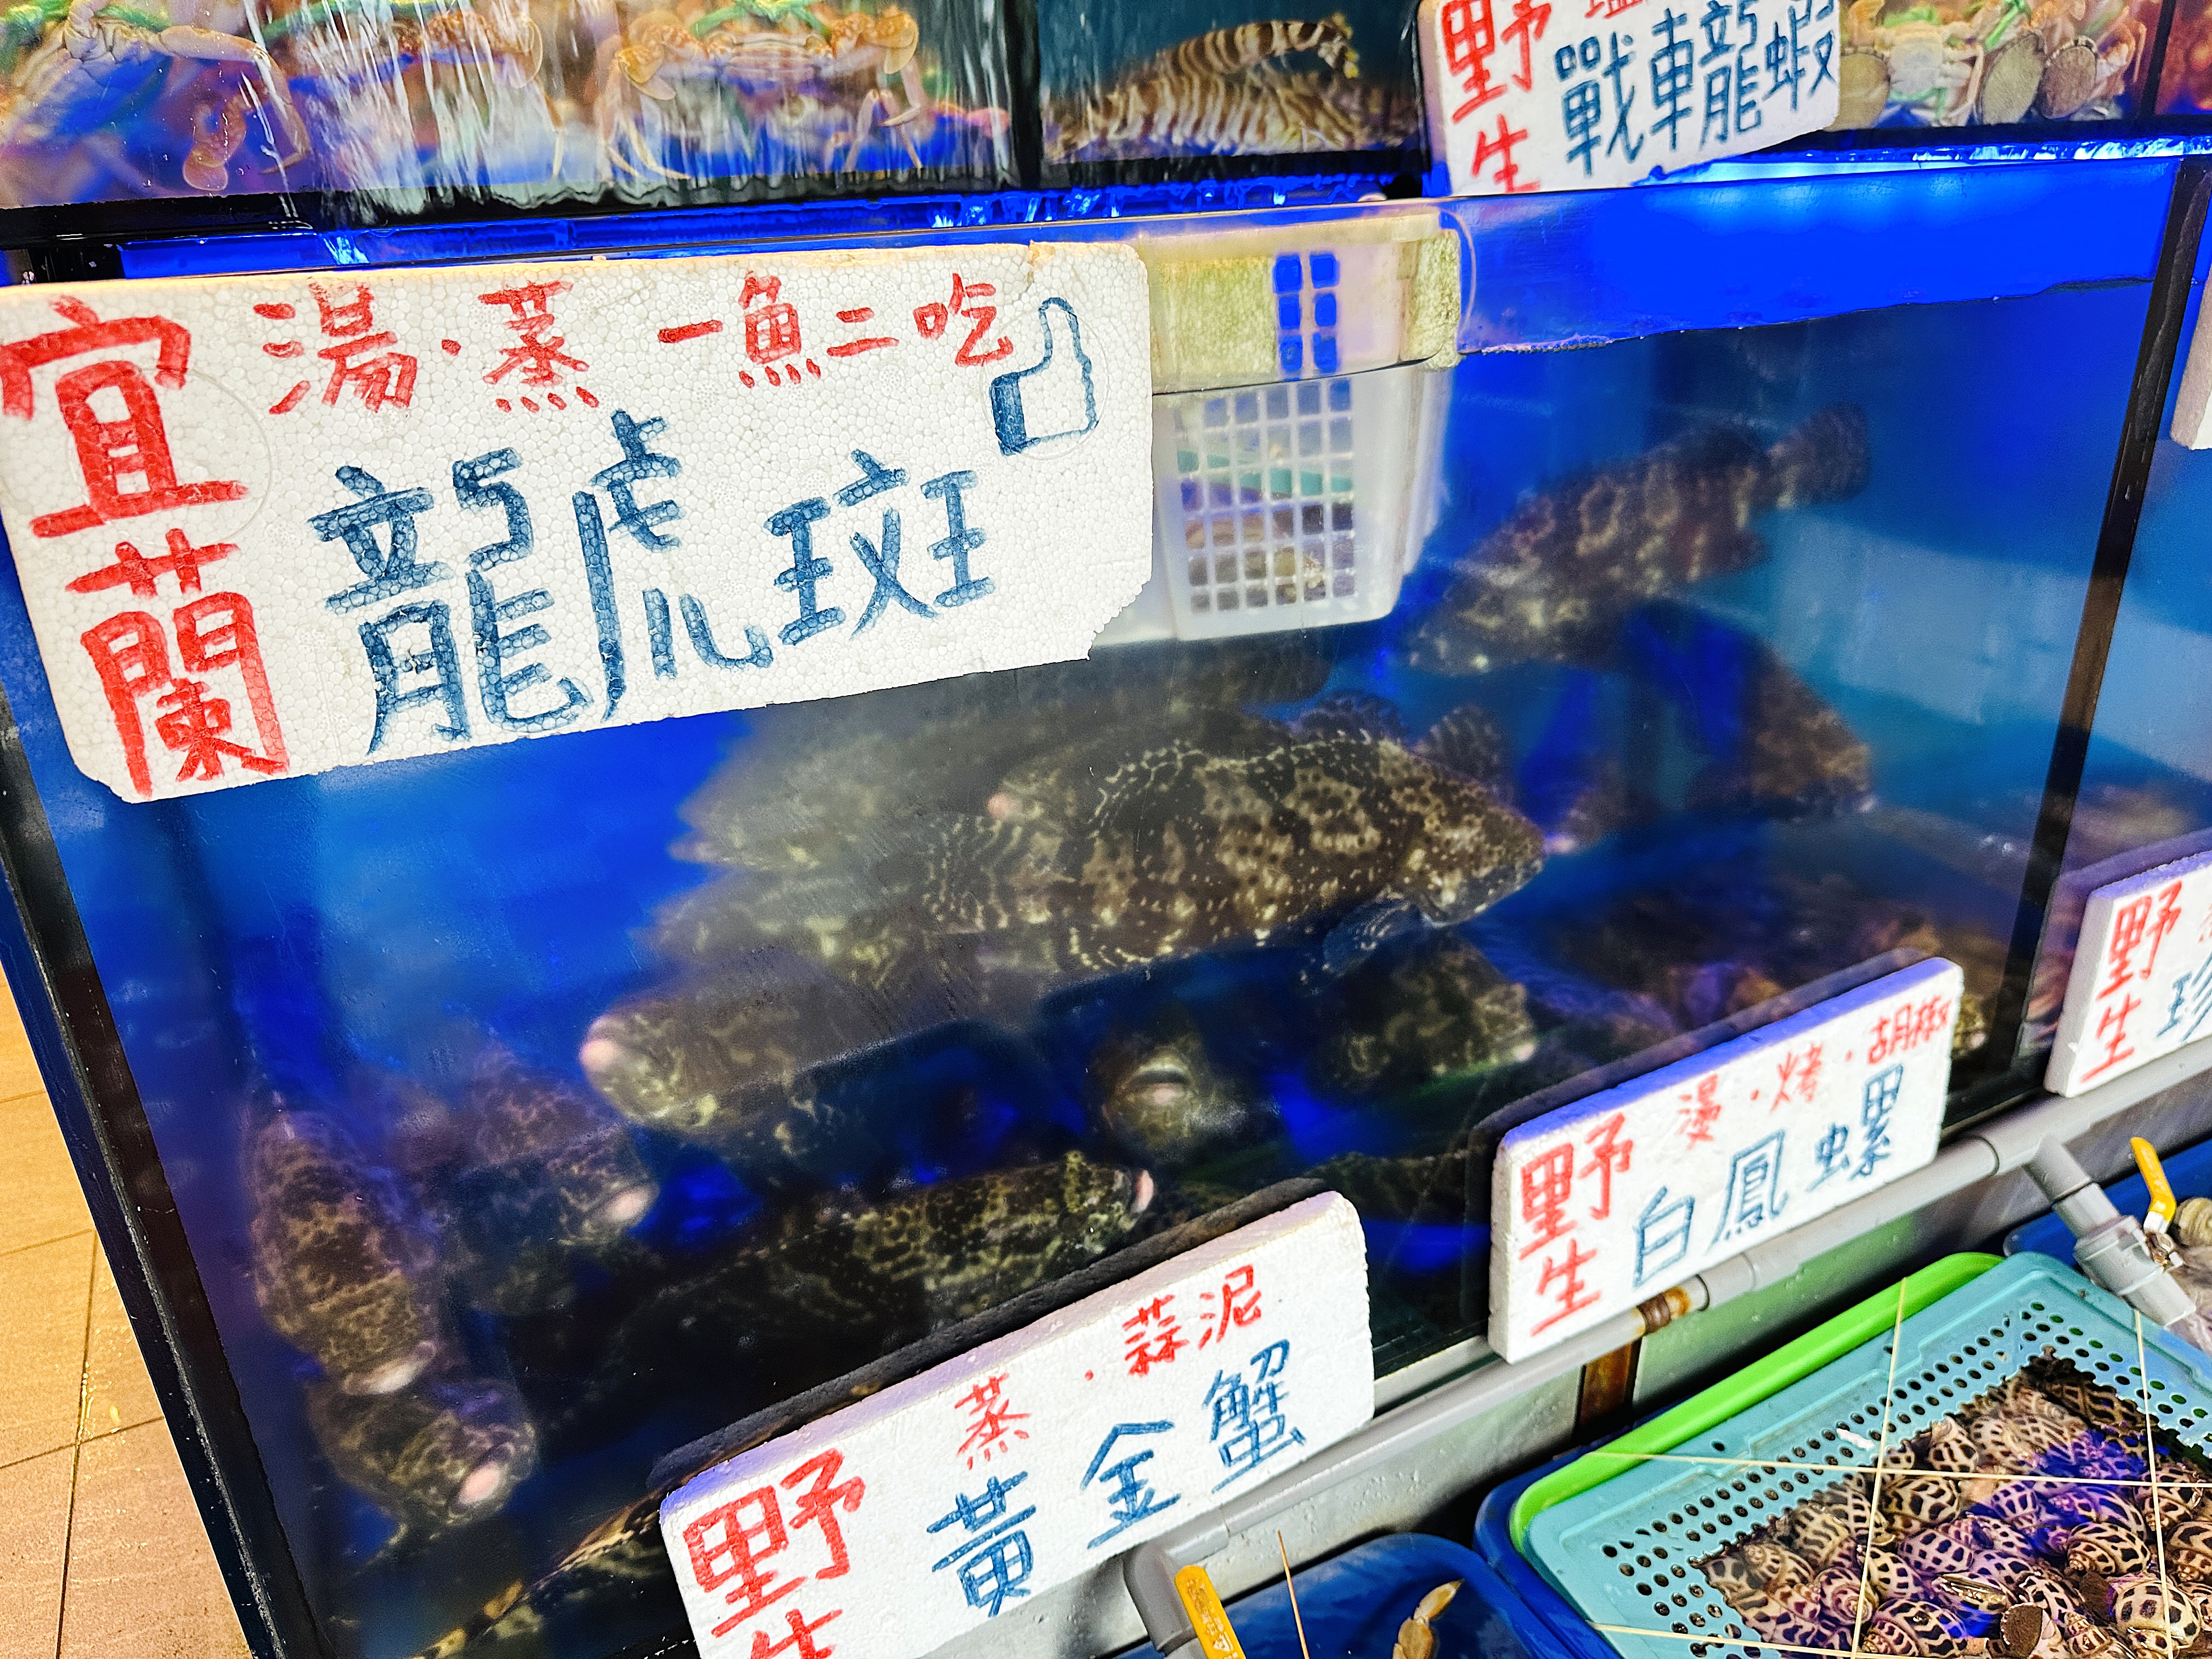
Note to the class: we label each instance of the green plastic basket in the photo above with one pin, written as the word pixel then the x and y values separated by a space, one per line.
pixel 1625 1550
pixel 1761 1380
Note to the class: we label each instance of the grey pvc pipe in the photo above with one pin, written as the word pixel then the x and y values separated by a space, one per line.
pixel 2009 1143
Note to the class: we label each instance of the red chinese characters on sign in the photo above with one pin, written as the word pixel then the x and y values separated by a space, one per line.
pixel 1236 1305
pixel 538 358
pixel 1572 1296
pixel 936 320
pixel 1500 144
pixel 1151 1336
pixel 1471 38
pixel 362 356
pixel 2139 926
pixel 126 463
pixel 1797 1076
pixel 991 1417
pixel 1547 1186
pixel 1907 1026
pixel 178 681
pixel 130 653
pixel 736 1544
pixel 1609 1156
pixel 1700 1111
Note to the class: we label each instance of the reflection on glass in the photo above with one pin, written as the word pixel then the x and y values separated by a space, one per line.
pixel 526 101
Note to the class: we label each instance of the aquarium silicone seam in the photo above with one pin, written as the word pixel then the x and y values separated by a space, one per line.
pixel 2147 399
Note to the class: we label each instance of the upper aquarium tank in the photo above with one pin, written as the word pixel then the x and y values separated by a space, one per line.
pixel 1569 624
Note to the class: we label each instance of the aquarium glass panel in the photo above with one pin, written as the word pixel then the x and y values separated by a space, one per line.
pixel 535 1109
pixel 424 102
pixel 2145 794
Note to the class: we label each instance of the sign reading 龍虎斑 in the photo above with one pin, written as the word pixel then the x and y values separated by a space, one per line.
pixel 886 1530
pixel 269 526
pixel 1624 1194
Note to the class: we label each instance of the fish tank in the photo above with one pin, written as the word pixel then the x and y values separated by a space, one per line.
pixel 1569 623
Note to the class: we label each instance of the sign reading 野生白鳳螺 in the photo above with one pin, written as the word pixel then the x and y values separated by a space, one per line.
pixel 1622 1195
pixel 1526 95
pixel 2141 981
pixel 269 526
pixel 885 1530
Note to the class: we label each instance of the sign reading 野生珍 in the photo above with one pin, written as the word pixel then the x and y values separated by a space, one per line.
pixel 886 1530
pixel 269 525
pixel 2141 985
pixel 1620 1196
pixel 1529 95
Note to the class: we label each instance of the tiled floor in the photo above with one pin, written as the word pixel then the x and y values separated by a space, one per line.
pixel 102 1551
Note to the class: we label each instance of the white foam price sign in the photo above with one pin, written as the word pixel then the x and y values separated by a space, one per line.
pixel 2141 981
pixel 886 1530
pixel 1528 95
pixel 1625 1194
pixel 269 526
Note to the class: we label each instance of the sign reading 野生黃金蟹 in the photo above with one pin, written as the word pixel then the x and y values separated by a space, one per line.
pixel 886 1530
pixel 1527 95
pixel 269 525
pixel 1624 1194
pixel 2141 986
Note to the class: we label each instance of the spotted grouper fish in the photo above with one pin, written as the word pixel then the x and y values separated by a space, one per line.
pixel 724 1057
pixel 1165 1100
pixel 1182 849
pixel 442 1451
pixel 1423 1009
pixel 339 1268
pixel 539 1174
pixel 861 1279
pixel 1553 582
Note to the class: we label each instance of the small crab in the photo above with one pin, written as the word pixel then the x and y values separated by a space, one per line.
pixel 1416 1639
pixel 76 81
pixel 1933 56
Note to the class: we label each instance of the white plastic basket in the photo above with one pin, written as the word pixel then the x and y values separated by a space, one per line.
pixel 1295 491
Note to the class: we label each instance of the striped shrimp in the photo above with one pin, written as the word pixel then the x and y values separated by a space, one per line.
pixel 1230 52
pixel 1185 114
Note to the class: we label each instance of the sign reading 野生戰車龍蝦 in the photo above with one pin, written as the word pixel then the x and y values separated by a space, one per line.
pixel 269 525
pixel 1527 95
pixel 2141 985
pixel 1623 1195
pixel 886 1530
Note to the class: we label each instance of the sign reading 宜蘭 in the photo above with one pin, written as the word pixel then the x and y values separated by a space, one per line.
pixel 889 1528
pixel 1625 1194
pixel 1526 95
pixel 269 526
pixel 2141 981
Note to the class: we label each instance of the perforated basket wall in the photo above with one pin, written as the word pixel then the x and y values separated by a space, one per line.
pixel 1298 505
pixel 1625 1554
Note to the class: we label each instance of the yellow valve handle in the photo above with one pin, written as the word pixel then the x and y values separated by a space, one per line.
pixel 2162 1202
pixel 1217 1640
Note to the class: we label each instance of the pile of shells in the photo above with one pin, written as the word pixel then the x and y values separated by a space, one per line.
pixel 2023 1526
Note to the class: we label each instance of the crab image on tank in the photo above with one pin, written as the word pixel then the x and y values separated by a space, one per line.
pixel 70 96
pixel 787 70
pixel 1929 58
